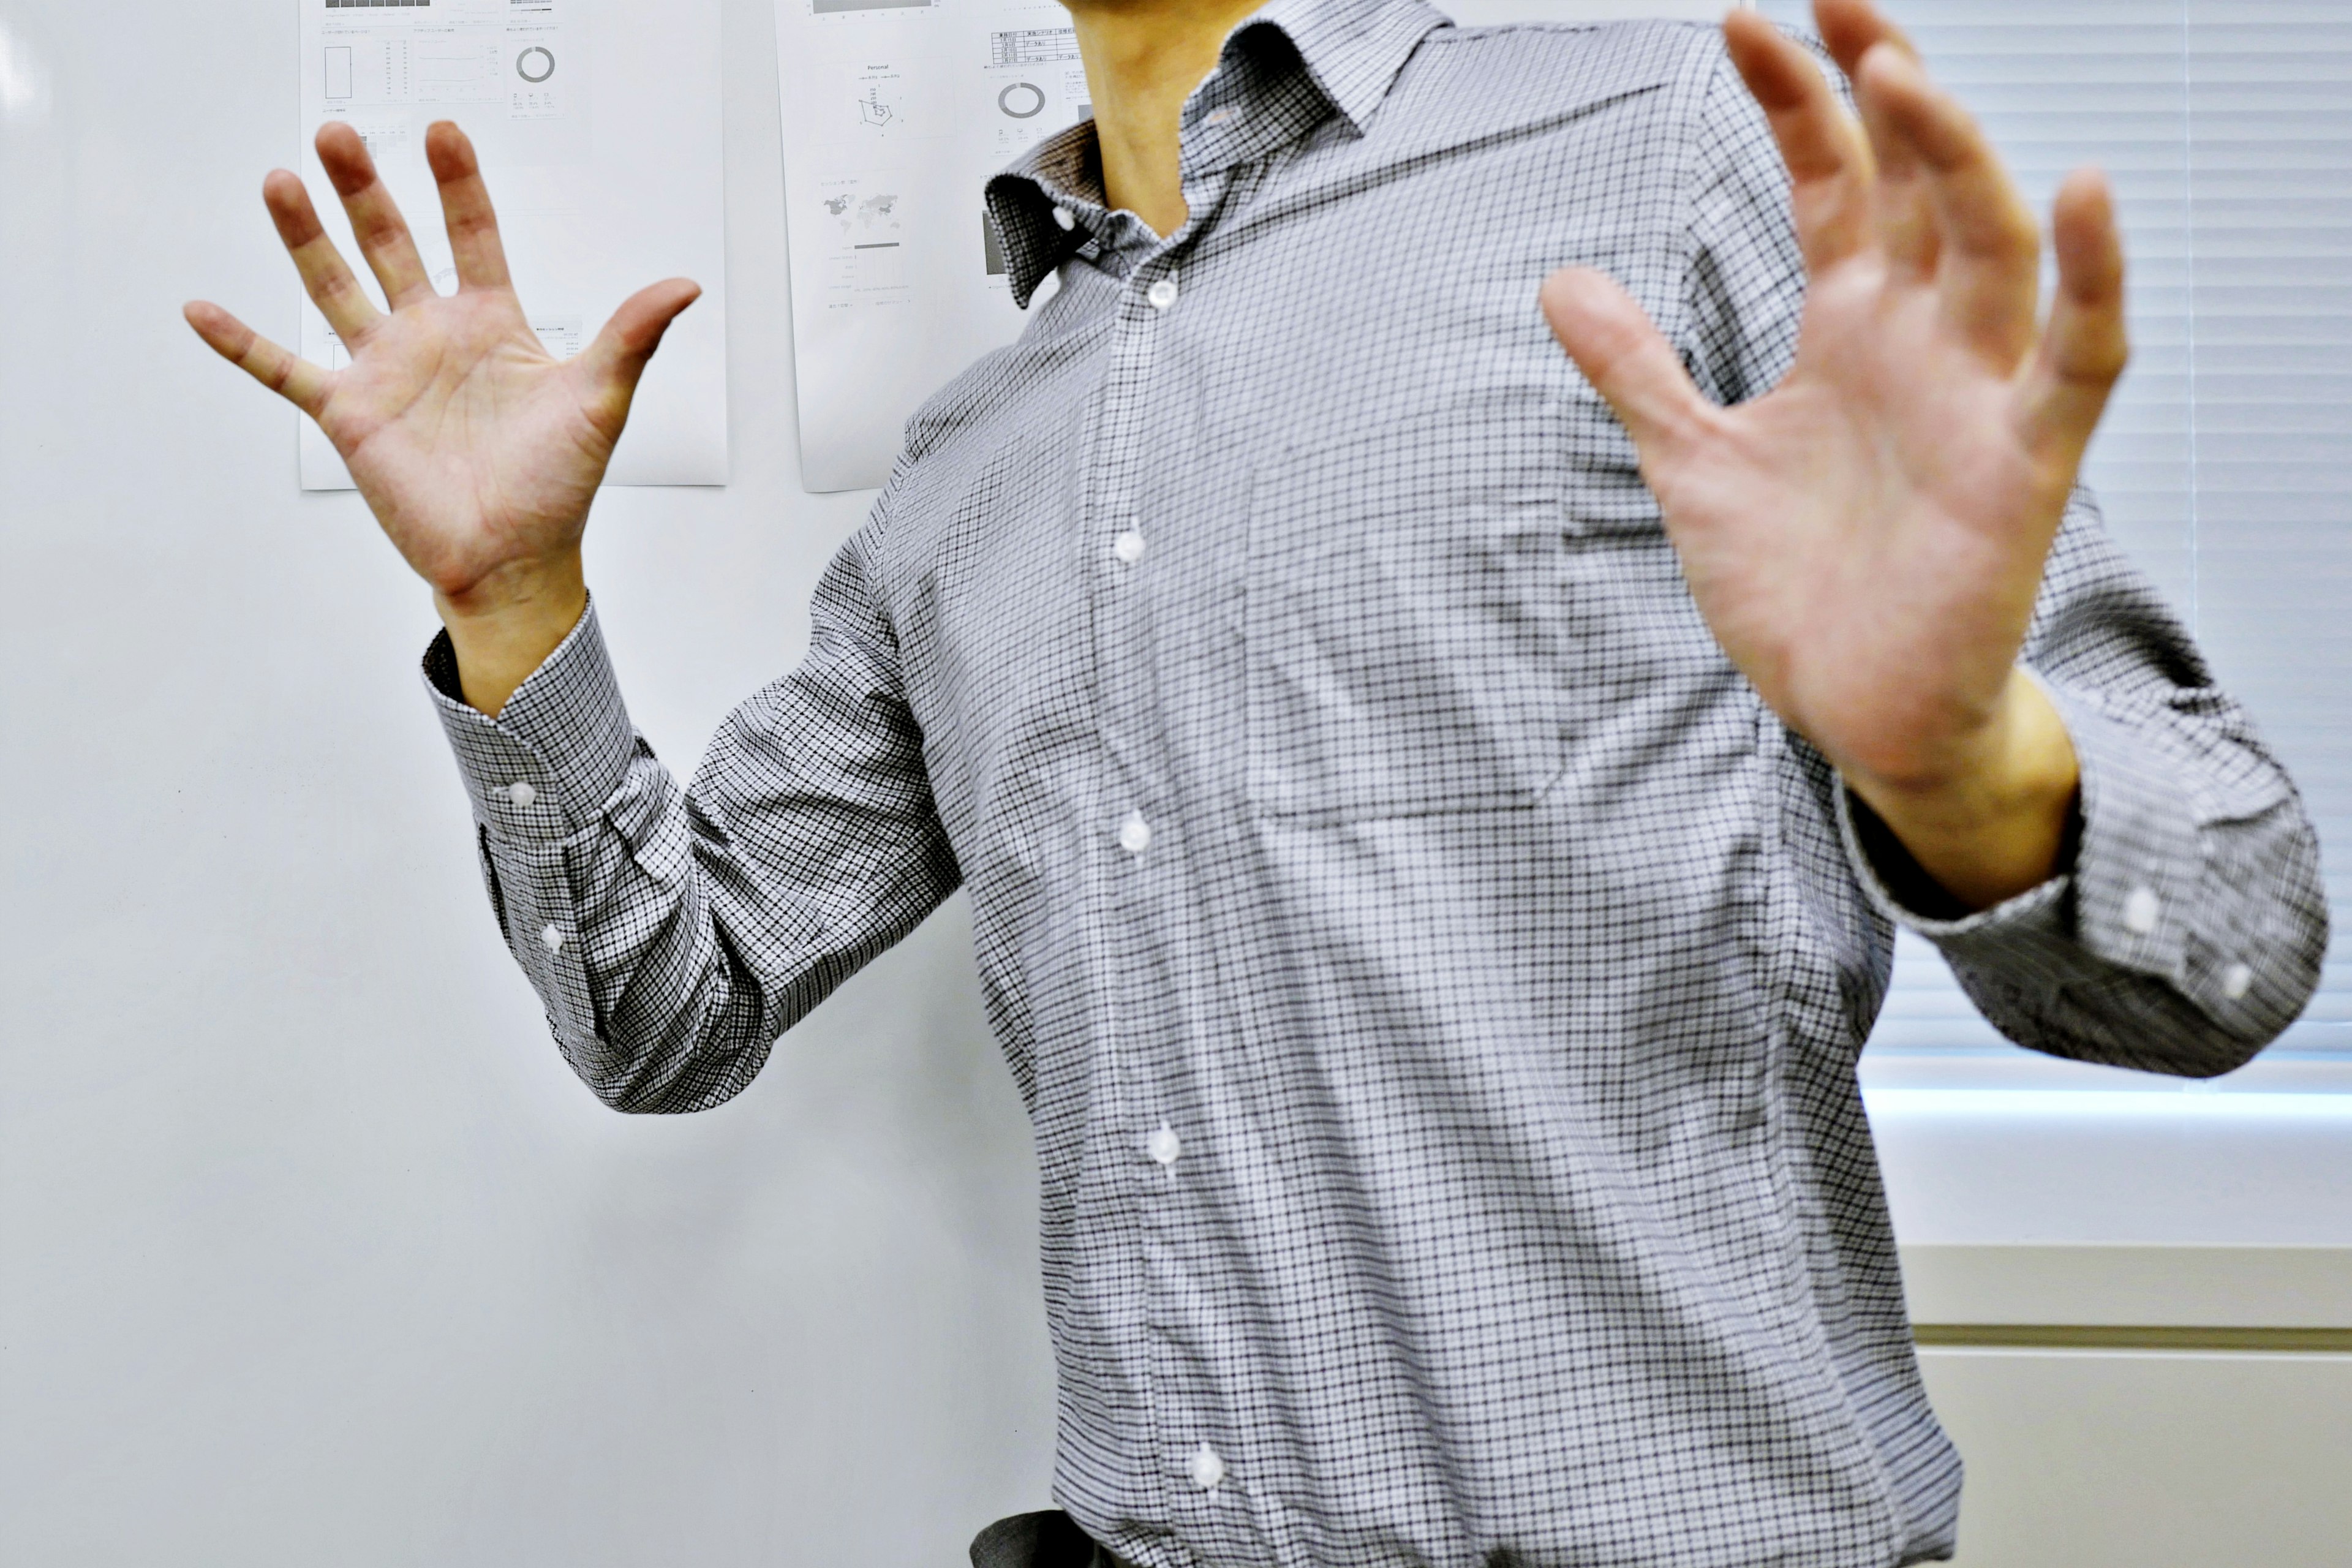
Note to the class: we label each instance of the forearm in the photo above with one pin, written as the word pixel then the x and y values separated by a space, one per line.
pixel 504 627
pixel 590 855
pixel 1997 825
pixel 2187 926
pixel 672 940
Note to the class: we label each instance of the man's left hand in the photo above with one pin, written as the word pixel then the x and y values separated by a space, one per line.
pixel 1867 540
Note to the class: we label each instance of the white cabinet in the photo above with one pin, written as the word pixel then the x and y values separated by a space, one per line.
pixel 2133 1300
pixel 2149 1459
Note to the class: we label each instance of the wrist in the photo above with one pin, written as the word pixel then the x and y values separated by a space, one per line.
pixel 1995 823
pixel 505 626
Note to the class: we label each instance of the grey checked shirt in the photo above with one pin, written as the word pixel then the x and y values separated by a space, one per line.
pixel 1434 977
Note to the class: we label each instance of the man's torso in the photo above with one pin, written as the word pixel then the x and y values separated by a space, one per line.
pixel 1482 941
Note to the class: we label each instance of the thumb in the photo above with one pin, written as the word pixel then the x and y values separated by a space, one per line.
pixel 617 358
pixel 1625 356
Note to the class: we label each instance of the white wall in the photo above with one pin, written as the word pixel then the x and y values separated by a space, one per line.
pixel 311 1250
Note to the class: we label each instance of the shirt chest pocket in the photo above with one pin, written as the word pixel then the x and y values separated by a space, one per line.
pixel 1403 619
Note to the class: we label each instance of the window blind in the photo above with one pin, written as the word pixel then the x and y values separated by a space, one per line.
pixel 2225 462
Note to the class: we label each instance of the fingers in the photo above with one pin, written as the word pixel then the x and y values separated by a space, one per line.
pixel 1850 28
pixel 2085 347
pixel 1629 363
pixel 338 294
pixel 1905 208
pixel 382 234
pixel 1990 247
pixel 297 380
pixel 466 208
pixel 1828 161
pixel 617 357
pixel 1905 220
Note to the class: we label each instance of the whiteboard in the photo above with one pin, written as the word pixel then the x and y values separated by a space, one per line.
pixel 311 1248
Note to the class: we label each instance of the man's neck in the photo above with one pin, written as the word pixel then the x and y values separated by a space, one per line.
pixel 1143 59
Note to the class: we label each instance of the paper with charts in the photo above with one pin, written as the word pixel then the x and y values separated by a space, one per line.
pixel 894 114
pixel 599 129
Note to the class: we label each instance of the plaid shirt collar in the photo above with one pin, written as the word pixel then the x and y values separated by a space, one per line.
pixel 1283 71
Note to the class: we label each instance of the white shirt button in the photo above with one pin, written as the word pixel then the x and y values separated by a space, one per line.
pixel 552 936
pixel 2140 910
pixel 1205 1469
pixel 1128 547
pixel 1164 1145
pixel 1135 833
pixel 521 794
pixel 1161 294
pixel 1065 219
pixel 2237 982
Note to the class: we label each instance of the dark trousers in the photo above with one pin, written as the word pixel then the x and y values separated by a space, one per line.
pixel 1038 1540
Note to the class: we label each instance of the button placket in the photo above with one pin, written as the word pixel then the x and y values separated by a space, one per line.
pixel 1129 773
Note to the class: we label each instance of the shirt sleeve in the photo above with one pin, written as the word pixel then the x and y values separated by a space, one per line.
pixel 672 932
pixel 2188 928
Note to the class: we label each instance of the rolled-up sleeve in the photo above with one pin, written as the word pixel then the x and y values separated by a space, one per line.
pixel 673 933
pixel 2189 927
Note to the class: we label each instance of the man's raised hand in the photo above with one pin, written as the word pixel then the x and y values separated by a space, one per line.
pixel 1866 540
pixel 478 450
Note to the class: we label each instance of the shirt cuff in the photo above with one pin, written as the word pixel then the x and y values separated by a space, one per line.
pixel 546 765
pixel 2128 897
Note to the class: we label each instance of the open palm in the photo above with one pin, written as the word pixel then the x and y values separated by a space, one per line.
pixel 478 450
pixel 1867 540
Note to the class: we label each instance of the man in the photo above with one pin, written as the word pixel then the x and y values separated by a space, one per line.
pixel 1434 836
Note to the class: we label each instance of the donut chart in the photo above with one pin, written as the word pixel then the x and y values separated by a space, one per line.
pixel 535 64
pixel 1021 100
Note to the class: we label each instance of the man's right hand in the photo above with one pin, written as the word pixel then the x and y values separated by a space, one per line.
pixel 479 452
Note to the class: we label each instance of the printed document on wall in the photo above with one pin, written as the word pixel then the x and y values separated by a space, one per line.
pixel 894 114
pixel 599 129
